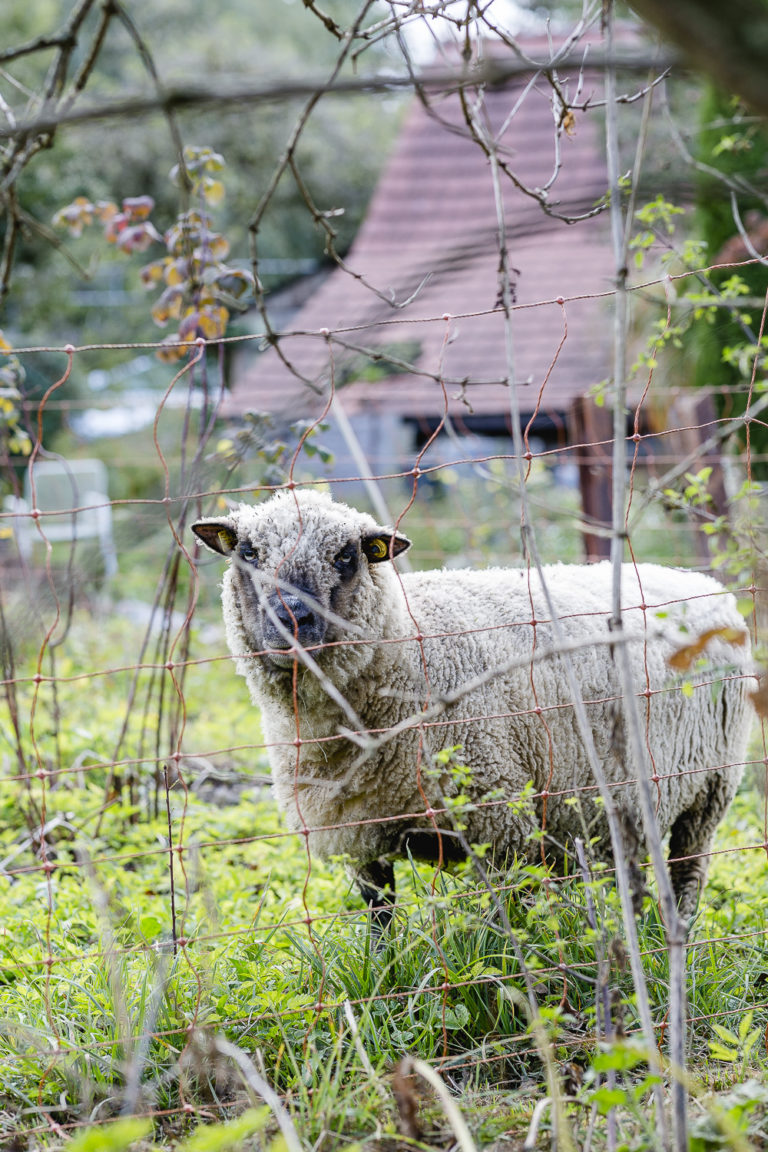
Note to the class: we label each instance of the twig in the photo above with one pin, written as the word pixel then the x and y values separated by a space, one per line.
pixel 147 60
pixel 177 97
pixel 744 234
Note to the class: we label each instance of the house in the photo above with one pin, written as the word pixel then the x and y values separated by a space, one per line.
pixel 410 332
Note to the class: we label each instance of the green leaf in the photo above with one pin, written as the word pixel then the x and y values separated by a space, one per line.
pixel 220 1137
pixel 111 1137
pixel 607 1098
pixel 457 1017
pixel 726 1035
pixel 619 1058
pixel 750 1041
pixel 150 927
pixel 745 1025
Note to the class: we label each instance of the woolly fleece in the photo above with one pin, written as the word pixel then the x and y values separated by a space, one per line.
pixel 417 637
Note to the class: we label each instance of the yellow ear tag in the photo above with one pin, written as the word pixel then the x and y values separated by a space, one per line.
pixel 379 548
pixel 226 541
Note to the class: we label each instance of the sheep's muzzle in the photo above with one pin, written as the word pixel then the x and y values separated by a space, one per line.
pixel 290 621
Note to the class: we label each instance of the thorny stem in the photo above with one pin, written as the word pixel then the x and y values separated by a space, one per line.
pixel 526 528
pixel 675 930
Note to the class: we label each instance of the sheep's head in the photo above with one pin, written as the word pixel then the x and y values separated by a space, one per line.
pixel 303 569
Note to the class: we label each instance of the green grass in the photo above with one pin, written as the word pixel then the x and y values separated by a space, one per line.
pixel 116 1008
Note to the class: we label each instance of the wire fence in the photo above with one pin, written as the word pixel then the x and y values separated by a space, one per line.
pixel 186 741
pixel 178 941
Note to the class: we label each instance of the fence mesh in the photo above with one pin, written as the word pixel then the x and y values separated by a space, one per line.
pixel 171 948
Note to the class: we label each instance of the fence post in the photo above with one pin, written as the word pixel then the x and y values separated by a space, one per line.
pixel 591 432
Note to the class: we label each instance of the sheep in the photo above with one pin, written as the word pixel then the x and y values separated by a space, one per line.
pixel 363 674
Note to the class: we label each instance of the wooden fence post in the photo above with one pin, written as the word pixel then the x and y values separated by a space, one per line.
pixel 591 434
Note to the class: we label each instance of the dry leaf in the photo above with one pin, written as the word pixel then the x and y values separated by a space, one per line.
pixel 684 657
pixel 759 697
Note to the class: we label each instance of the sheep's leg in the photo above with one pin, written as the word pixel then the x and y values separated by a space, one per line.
pixel 634 850
pixel 691 839
pixel 423 844
pixel 376 882
pixel 687 869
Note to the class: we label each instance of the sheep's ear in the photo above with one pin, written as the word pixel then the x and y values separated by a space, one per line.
pixel 218 535
pixel 384 546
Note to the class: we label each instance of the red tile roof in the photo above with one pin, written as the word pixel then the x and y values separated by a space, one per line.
pixel 432 222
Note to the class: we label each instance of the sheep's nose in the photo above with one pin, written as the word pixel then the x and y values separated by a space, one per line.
pixel 292 612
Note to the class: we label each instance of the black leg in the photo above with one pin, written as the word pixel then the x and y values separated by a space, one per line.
pixel 432 846
pixel 376 882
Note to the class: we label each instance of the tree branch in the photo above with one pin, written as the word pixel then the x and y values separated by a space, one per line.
pixel 216 95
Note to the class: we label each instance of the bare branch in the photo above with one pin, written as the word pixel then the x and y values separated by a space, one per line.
pixel 218 95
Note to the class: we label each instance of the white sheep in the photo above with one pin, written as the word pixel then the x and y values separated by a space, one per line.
pixel 338 649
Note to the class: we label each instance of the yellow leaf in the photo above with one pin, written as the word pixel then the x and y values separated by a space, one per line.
pixel 105 210
pixel 213 190
pixel 138 208
pixel 759 697
pixel 167 307
pixel 172 350
pixel 213 246
pixel 176 271
pixel 151 273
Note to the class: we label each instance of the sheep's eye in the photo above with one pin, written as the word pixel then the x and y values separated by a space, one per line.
pixel 248 553
pixel 345 560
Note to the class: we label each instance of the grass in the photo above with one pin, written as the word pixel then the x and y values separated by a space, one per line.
pixel 117 1014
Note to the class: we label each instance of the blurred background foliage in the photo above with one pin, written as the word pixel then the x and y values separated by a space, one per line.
pixel 188 42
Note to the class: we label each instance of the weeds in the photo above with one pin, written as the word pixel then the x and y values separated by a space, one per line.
pixel 114 1020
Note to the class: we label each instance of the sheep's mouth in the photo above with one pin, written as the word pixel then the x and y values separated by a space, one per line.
pixel 281 659
pixel 280 652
